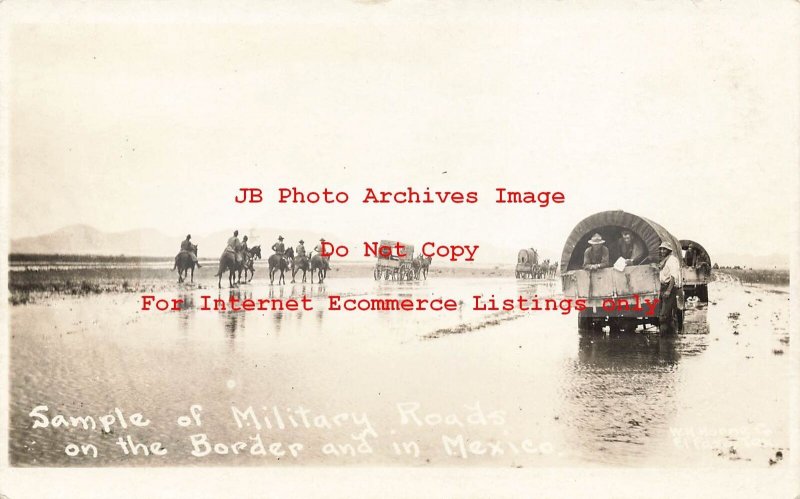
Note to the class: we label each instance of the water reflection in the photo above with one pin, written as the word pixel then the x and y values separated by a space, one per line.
pixel 318 291
pixel 319 316
pixel 277 318
pixel 186 314
pixel 233 320
pixel 272 294
pixel 696 318
pixel 298 290
pixel 619 395
pixel 540 288
pixel 626 351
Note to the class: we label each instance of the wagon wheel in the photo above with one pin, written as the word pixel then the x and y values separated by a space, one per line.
pixel 516 274
pixel 377 274
pixel 386 274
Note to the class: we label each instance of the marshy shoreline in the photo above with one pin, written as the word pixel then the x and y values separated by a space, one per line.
pixel 33 278
pixel 31 281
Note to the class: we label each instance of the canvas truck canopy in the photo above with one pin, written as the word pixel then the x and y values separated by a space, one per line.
pixel 702 253
pixel 610 225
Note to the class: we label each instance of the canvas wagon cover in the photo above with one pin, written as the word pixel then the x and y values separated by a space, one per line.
pixel 527 255
pixel 609 224
pixel 408 248
pixel 685 245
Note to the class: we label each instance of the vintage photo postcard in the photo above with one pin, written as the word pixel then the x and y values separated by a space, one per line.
pixel 385 248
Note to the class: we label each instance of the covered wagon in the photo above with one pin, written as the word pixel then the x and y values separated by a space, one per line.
pixel 631 281
pixel 391 265
pixel 527 262
pixel 697 272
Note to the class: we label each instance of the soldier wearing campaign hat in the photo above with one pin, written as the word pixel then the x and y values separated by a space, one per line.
pixel 300 251
pixel 596 255
pixel 279 248
pixel 318 248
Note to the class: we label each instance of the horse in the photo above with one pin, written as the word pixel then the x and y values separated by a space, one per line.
pixel 248 263
pixel 184 262
pixel 424 265
pixel 543 269
pixel 277 262
pixel 227 261
pixel 320 265
pixel 299 263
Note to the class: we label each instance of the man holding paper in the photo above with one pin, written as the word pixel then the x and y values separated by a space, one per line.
pixel 632 250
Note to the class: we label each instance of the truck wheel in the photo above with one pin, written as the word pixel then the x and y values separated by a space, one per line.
pixel 585 324
pixel 626 325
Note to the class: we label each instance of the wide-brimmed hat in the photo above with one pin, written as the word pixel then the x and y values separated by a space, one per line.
pixel 280 238
pixel 301 241
pixel 666 246
pixel 596 239
pixel 321 238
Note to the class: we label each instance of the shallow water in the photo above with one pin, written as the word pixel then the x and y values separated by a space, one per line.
pixel 520 388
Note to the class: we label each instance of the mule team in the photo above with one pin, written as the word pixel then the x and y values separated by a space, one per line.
pixel 545 270
pixel 238 258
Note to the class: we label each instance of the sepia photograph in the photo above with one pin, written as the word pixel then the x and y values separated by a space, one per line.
pixel 377 248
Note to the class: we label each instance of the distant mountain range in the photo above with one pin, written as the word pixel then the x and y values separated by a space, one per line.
pixel 86 240
pixel 775 260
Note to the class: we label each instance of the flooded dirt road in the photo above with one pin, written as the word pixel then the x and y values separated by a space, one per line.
pixel 397 388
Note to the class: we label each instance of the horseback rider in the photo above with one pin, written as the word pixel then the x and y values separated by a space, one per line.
pixel 187 246
pixel 279 248
pixel 234 246
pixel 243 251
pixel 318 250
pixel 300 251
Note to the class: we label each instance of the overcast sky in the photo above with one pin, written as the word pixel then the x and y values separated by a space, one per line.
pixel 685 113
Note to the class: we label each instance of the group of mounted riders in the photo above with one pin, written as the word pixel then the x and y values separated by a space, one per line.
pixel 238 258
